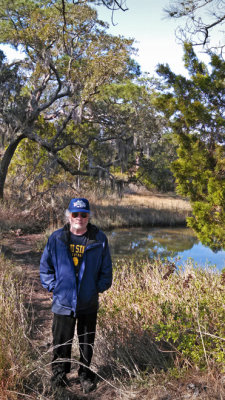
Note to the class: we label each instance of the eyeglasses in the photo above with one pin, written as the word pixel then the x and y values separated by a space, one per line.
pixel 82 214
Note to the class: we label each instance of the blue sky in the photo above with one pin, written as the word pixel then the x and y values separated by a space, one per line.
pixel 154 34
pixel 153 31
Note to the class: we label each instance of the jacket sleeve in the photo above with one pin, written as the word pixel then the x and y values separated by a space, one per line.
pixel 105 273
pixel 47 270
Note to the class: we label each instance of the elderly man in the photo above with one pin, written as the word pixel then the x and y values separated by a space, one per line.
pixel 76 266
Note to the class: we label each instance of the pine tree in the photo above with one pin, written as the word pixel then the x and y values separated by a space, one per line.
pixel 195 109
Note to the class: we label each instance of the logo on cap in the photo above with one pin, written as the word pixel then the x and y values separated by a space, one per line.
pixel 79 204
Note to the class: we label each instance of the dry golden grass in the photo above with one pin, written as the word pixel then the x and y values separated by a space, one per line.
pixel 142 209
pixel 14 343
pixel 148 200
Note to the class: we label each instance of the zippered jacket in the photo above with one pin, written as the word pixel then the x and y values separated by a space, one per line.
pixel 57 272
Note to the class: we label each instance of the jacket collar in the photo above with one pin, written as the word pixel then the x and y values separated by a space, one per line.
pixel 92 231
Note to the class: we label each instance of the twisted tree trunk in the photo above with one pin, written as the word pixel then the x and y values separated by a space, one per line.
pixel 5 161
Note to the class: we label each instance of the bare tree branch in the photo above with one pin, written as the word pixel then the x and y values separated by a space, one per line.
pixel 115 5
pixel 53 99
pixel 198 29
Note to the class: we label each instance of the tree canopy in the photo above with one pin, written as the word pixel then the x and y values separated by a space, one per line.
pixel 63 68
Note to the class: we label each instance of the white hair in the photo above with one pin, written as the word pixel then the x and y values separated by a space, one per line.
pixel 67 216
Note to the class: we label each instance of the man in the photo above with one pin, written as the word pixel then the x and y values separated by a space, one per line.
pixel 76 266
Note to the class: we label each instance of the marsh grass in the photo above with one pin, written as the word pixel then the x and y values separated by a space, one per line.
pixel 150 200
pixel 141 209
pixel 14 330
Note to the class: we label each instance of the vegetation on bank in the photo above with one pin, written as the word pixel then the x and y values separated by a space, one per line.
pixel 155 322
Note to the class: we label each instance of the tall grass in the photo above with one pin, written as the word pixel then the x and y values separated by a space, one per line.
pixel 156 317
pixel 140 210
pixel 14 327
pixel 146 199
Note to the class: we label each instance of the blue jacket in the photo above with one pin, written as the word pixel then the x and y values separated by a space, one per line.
pixel 57 272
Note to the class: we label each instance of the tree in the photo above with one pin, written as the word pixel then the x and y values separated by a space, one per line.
pixel 124 124
pixel 63 69
pixel 204 20
pixel 154 170
pixel 11 85
pixel 195 109
pixel 129 117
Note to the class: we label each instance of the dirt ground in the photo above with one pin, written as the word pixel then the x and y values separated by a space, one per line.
pixel 23 251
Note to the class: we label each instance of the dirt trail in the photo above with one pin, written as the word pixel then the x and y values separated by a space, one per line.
pixel 23 252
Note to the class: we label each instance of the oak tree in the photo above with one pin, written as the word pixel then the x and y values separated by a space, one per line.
pixel 63 68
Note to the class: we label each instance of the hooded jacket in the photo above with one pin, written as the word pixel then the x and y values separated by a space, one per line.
pixel 57 271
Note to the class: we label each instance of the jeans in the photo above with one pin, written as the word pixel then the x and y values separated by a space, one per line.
pixel 63 329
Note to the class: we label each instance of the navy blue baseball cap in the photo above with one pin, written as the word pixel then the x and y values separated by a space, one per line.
pixel 79 205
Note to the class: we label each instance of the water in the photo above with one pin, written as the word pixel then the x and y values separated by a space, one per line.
pixel 177 244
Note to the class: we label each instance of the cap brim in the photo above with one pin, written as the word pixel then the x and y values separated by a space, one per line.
pixel 79 210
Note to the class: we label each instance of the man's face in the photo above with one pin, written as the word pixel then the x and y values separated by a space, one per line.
pixel 79 220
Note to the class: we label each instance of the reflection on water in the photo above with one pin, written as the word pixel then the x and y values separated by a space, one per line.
pixel 173 243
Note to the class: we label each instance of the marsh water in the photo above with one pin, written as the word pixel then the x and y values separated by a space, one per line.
pixel 177 244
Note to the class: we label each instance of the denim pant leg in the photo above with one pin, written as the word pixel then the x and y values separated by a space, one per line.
pixel 63 332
